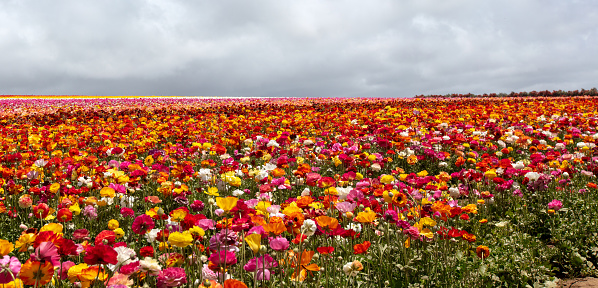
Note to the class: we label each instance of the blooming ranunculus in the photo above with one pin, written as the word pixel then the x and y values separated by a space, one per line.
pixel 309 227
pixel 142 224
pixel 180 240
pixel 262 264
pixel 172 277
pixel 279 244
pixel 556 205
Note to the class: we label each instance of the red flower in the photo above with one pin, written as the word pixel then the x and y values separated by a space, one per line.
pixel 325 250
pixel 67 247
pixel 300 237
pixel 100 254
pixel 41 211
pixel 142 224
pixel 361 248
pixel 64 215
pixel 147 251
pixel 107 235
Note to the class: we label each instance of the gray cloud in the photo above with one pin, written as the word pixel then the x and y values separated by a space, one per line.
pixel 378 48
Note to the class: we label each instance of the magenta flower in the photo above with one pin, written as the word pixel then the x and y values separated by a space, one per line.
pixel 172 277
pixel 9 269
pixel 556 205
pixel 142 224
pixel 263 265
pixel 223 258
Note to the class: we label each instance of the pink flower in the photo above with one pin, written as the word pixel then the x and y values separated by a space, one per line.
pixel 8 266
pixel 556 205
pixel 142 224
pixel 279 244
pixel 263 265
pixel 345 207
pixel 223 258
pixel 171 277
pixel 64 268
pixel 47 251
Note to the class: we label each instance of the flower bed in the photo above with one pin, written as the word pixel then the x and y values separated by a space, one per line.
pixel 169 192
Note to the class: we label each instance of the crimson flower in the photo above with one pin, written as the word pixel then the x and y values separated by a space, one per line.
pixel 142 224
pixel 100 254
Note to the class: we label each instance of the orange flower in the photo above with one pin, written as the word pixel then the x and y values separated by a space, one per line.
pixel 274 228
pixel 482 251
pixel 327 222
pixel 36 273
pixel 301 271
pixel 361 248
pixel 366 216
pixel 232 283
pixel 6 247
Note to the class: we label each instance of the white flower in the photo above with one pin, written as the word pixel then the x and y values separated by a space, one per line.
pixel 124 257
pixel 519 165
pixel 238 193
pixel 127 201
pixel 150 265
pixel 151 235
pixel 442 164
pixel 305 192
pixel 204 174
pixel 343 192
pixel 454 192
pixel 273 143
pixel 309 227
pixel 354 226
pixel 532 176
pixel 376 167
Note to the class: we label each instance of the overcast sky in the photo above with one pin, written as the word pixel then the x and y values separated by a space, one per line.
pixel 279 48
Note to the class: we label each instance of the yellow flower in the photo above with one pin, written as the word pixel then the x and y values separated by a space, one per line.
pixel 25 241
pixel 75 209
pixel 113 224
pixel 180 240
pixel 178 215
pixel 54 227
pixel 197 231
pixel 387 179
pixel 262 207
pixel 107 192
pixel 6 247
pixel 471 208
pixel 119 233
pixel 54 187
pixel 212 191
pixel 366 216
pixel 148 161
pixel 227 203
pixel 427 221
pixel 254 242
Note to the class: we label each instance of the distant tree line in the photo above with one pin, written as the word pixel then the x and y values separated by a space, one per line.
pixel 545 93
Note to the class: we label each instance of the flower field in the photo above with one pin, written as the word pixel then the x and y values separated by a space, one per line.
pixel 174 192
